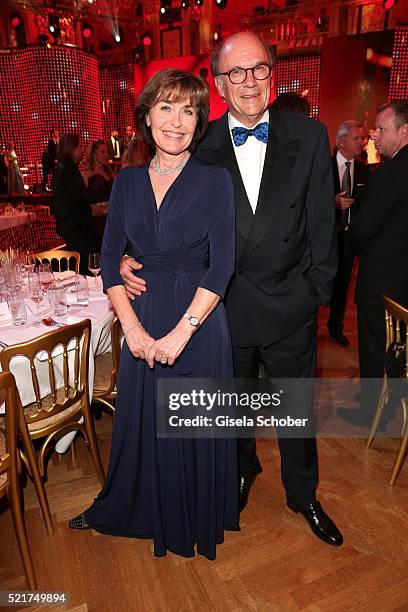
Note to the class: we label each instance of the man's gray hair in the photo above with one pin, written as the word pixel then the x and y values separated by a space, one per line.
pixel 400 108
pixel 216 54
pixel 346 127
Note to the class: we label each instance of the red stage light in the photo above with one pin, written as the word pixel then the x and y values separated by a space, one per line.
pixel 389 4
pixel 15 22
pixel 87 32
pixel 147 40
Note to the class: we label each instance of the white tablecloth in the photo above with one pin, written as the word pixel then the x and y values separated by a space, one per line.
pixel 101 314
pixel 7 221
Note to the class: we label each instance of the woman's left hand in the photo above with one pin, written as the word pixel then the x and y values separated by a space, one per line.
pixel 167 349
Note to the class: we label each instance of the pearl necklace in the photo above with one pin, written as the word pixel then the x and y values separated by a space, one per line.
pixel 159 170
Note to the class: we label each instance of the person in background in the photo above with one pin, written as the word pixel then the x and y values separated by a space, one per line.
pixel 49 159
pixel 72 208
pixel 136 153
pixel 115 146
pixel 3 173
pixel 379 231
pixel 350 180
pixel 98 178
pixel 292 102
pixel 130 134
pixel 14 178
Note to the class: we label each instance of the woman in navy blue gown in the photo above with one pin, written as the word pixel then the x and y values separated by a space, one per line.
pixel 176 216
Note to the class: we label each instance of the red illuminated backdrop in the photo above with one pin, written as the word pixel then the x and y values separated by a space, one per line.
pixel 300 74
pixel 44 88
pixel 399 70
pixel 117 91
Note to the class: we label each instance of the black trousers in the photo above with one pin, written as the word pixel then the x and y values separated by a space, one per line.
pixel 293 357
pixel 371 353
pixel 338 300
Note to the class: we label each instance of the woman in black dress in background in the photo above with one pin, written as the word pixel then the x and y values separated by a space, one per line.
pixel 72 208
pixel 176 215
pixel 98 179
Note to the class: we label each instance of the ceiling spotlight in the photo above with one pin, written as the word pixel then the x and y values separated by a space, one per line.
pixel 117 38
pixel 199 2
pixel 15 20
pixel 185 4
pixel 87 31
pixel 221 4
pixel 146 39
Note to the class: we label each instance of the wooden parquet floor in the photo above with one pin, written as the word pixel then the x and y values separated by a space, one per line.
pixel 273 564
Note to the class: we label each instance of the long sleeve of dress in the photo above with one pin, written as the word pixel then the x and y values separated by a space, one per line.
pixel 114 238
pixel 221 236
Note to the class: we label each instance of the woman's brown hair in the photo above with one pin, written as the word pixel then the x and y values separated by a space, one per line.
pixel 67 144
pixel 173 85
pixel 90 157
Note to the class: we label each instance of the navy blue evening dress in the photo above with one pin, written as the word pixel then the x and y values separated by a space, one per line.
pixel 181 493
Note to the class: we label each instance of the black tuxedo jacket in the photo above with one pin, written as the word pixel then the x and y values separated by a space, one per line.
pixel 361 177
pixel 379 231
pixel 285 253
pixel 111 151
pixel 52 153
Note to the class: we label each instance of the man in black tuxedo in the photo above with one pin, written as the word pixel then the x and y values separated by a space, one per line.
pixel 49 159
pixel 379 231
pixel 350 178
pixel 285 250
pixel 115 146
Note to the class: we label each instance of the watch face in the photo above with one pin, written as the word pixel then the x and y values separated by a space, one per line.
pixel 194 321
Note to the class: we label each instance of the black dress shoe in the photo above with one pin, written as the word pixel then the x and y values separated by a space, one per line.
pixel 244 489
pixel 321 524
pixel 78 522
pixel 339 337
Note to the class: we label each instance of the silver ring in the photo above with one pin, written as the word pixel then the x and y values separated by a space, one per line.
pixel 163 361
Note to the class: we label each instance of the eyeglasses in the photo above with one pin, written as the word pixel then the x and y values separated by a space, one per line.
pixel 239 75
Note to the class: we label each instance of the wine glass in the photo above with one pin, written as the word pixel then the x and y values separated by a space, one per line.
pixel 46 277
pixel 94 265
pixel 36 294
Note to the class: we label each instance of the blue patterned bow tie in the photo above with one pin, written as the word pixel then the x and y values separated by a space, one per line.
pixel 240 134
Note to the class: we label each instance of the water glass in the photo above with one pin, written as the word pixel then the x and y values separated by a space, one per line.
pixel 17 308
pixel 58 300
pixel 81 290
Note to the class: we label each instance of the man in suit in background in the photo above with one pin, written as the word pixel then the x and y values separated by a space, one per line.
pixel 285 250
pixel 49 158
pixel 350 178
pixel 130 134
pixel 379 231
pixel 115 146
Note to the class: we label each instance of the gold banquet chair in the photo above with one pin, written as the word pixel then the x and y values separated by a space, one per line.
pixel 59 256
pixel 107 370
pixel 395 314
pixel 58 412
pixel 10 468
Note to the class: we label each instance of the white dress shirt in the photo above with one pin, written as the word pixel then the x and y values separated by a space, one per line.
pixel 116 148
pixel 250 159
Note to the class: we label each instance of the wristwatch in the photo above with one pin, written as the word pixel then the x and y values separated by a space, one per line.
pixel 192 320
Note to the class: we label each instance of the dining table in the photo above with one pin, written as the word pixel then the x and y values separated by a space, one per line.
pixel 100 312
pixel 16 218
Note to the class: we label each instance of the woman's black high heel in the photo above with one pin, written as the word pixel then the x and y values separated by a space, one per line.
pixel 78 522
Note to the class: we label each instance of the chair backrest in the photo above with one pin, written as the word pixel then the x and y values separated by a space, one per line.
pixel 66 352
pixel 396 325
pixel 116 332
pixel 8 456
pixel 59 256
